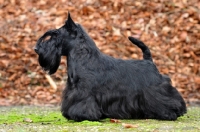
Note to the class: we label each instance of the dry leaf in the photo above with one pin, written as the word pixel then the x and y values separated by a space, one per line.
pixel 27 120
pixel 115 121
pixel 129 125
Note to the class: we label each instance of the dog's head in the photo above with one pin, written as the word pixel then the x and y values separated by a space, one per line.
pixel 55 43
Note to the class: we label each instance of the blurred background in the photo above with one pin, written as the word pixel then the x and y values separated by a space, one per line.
pixel 170 28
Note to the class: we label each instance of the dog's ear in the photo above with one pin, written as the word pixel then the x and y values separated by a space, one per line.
pixel 69 24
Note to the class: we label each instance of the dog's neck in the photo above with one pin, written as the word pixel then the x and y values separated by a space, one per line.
pixel 82 47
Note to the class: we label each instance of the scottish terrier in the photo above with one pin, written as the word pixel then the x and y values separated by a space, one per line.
pixel 100 86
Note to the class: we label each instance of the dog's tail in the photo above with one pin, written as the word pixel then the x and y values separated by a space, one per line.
pixel 145 50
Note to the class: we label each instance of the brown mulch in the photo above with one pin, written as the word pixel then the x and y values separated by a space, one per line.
pixel 171 29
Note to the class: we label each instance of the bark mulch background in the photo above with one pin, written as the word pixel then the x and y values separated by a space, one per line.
pixel 171 29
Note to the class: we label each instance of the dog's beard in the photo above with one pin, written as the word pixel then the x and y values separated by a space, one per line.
pixel 50 61
pixel 49 52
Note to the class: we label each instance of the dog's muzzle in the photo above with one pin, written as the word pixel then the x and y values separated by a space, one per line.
pixel 36 50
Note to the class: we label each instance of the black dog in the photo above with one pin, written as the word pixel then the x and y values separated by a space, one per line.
pixel 100 86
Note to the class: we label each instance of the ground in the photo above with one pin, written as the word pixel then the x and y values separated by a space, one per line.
pixel 49 119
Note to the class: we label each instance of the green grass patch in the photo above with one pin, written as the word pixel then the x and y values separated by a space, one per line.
pixel 49 119
pixel 31 115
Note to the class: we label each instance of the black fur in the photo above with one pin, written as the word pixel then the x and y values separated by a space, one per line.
pixel 100 86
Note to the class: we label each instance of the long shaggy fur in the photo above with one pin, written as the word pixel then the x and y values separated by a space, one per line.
pixel 100 86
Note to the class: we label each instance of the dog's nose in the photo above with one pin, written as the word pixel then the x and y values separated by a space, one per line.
pixel 36 50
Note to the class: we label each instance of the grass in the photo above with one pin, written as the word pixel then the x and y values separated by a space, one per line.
pixel 49 119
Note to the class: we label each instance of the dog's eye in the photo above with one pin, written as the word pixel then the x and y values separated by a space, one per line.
pixel 73 35
pixel 82 39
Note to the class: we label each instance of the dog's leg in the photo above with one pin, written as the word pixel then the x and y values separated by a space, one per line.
pixel 80 108
pixel 165 103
